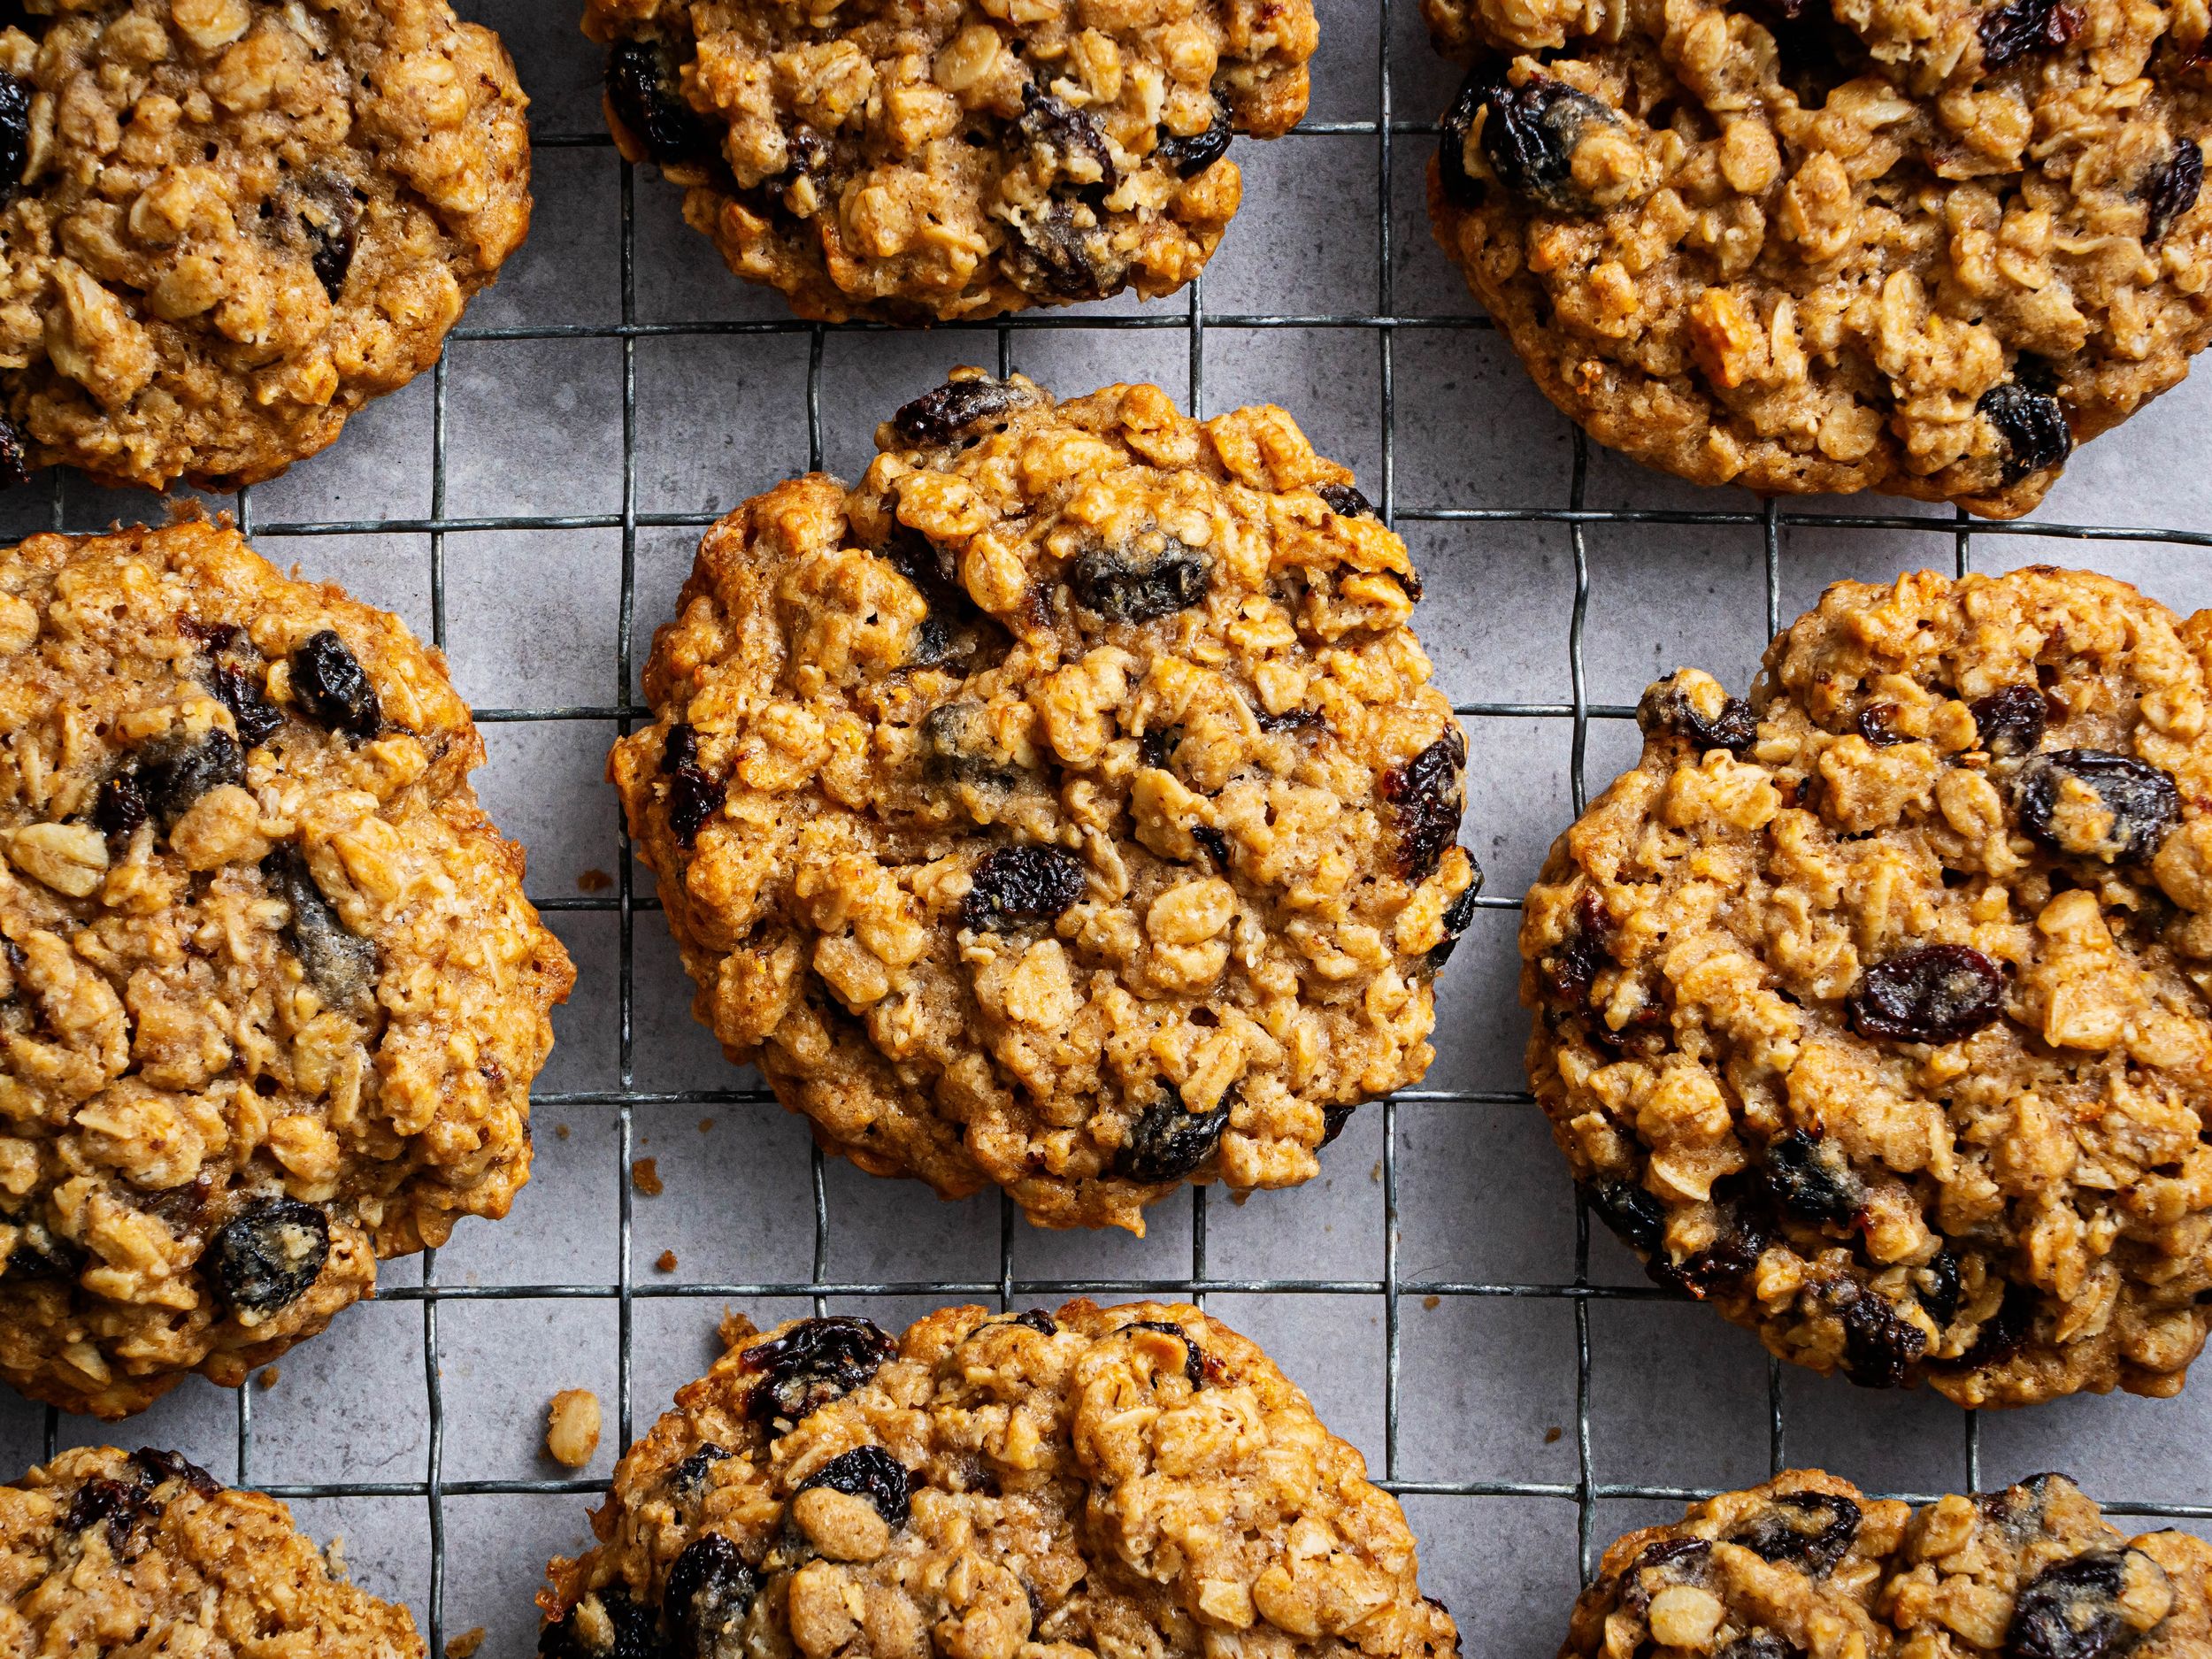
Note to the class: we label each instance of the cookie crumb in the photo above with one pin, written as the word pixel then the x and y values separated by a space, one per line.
pixel 665 1261
pixel 591 881
pixel 571 1427
pixel 267 1377
pixel 464 1645
pixel 1552 1434
pixel 705 1123
pixel 646 1177
pixel 1430 1302
pixel 560 1132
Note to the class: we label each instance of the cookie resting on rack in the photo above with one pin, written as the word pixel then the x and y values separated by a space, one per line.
pixel 1807 1564
pixel 1065 807
pixel 225 225
pixel 1123 1480
pixel 103 1551
pixel 1873 1010
pixel 270 998
pixel 1804 246
pixel 918 160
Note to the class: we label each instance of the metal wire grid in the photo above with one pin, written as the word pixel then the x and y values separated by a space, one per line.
pixel 1385 324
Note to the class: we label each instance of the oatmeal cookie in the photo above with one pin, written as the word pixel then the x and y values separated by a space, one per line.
pixel 1809 1564
pixel 225 225
pixel 1122 1480
pixel 1067 806
pixel 270 998
pixel 1922 247
pixel 1874 1011
pixel 913 160
pixel 104 1551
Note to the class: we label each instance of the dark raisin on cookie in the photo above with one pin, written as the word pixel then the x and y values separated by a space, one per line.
pixel 15 454
pixel 2172 187
pixel 1063 132
pixel 331 222
pixel 1635 1217
pixel 2004 1331
pixel 1429 793
pixel 339 963
pixel 1192 156
pixel 15 132
pixel 1877 724
pixel 2136 804
pixel 41 1253
pixel 709 1591
pixel 686 1479
pixel 1169 1142
pixel 174 772
pixel 118 806
pixel 160 1466
pixel 645 94
pixel 122 1504
pixel 267 1256
pixel 1193 1356
pixel 2011 722
pixel 1880 1347
pixel 1665 709
pixel 1936 1287
pixel 1571 967
pixel 956 408
pixel 816 1361
pixel 1457 918
pixel 1130 587
pixel 2074 1610
pixel 1333 1120
pixel 694 797
pixel 870 1472
pixel 634 1629
pixel 1811 1530
pixel 1931 994
pixel 1808 1177
pixel 1529 134
pixel 257 718
pixel 332 689
pixel 2032 425
pixel 1346 502
pixel 1038 1320
pixel 1016 887
pixel 1063 258
pixel 2011 31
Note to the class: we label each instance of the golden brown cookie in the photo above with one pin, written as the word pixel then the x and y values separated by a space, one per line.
pixel 1923 249
pixel 1121 1480
pixel 103 1551
pixel 1873 1010
pixel 225 225
pixel 1067 806
pixel 1807 1564
pixel 270 998
pixel 917 161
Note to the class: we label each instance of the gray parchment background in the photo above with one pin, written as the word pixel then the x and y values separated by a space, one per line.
pixel 1487 1388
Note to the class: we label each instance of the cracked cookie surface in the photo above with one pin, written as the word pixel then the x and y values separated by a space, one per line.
pixel 225 225
pixel 1832 245
pixel 1133 1479
pixel 1067 806
pixel 270 998
pixel 103 1551
pixel 1809 1564
pixel 954 158
pixel 1873 1010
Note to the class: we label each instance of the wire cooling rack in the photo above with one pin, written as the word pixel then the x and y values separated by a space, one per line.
pixel 1396 134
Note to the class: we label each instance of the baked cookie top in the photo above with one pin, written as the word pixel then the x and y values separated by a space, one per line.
pixel 1067 806
pixel 1917 248
pixel 1809 1564
pixel 270 998
pixel 225 225
pixel 104 1551
pixel 928 160
pixel 1135 1480
pixel 1873 1010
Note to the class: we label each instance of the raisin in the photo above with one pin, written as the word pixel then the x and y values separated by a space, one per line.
pixel 15 454
pixel 1333 1119
pixel 257 718
pixel 1193 1356
pixel 1429 795
pixel 2032 425
pixel 331 688
pixel 1167 1142
pixel 160 1466
pixel 1690 1551
pixel 1215 845
pixel 2072 1610
pixel 1156 747
pixel 635 1629
pixel 2011 31
pixel 15 132
pixel 1931 994
pixel 1460 187
pixel 119 806
pixel 694 797
pixel 645 94
pixel 1811 1530
pixel 1014 887
pixel 173 775
pixel 1720 1267
pixel 956 408
pixel 2011 722
pixel 1530 137
pixel 1457 919
pixel 1038 1320
pixel 339 965
pixel 1192 156
pixel 1293 720
pixel 1879 1348
pixel 332 224
pixel 121 1504
pixel 1634 1216
pixel 870 1472
pixel 1060 258
pixel 957 747
pixel 709 1591
pixel 1759 1644
pixel 1121 588
pixel 1664 709
pixel 1345 502
pixel 2139 800
pixel 815 1361
pixel 1874 726
pixel 2171 190
pixel 269 1253
pixel 1936 1287
pixel 1573 965
pixel 691 1474
pixel 2004 1331
pixel 42 1253
pixel 1808 1176
pixel 1064 132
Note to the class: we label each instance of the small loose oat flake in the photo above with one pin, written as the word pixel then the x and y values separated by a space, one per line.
pixel 645 1175
pixel 571 1427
